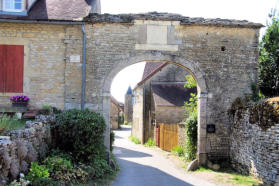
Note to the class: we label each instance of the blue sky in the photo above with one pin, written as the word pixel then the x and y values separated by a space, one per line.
pixel 251 10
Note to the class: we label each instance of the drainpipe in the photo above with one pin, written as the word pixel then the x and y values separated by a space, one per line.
pixel 83 67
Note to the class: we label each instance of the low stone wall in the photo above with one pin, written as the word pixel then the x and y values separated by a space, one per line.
pixel 254 140
pixel 21 147
pixel 181 134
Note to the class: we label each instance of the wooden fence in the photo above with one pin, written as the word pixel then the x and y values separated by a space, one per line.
pixel 168 136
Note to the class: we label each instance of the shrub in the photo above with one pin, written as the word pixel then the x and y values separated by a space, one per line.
pixel 178 150
pixel 112 138
pixel 37 171
pixel 81 132
pixel 46 182
pixel 134 139
pixel 150 143
pixel 191 136
pixel 101 168
pixel 57 164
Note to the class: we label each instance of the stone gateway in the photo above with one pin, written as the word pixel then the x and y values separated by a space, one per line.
pixel 63 58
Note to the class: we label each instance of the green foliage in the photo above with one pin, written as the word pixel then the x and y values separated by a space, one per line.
pixel 178 150
pixel 125 123
pixel 47 107
pixel 81 133
pixel 56 164
pixel 192 121
pixel 269 59
pixel 191 82
pixel 101 168
pixel 46 182
pixel 121 119
pixel 21 182
pixel 37 171
pixel 8 123
pixel 112 138
pixel 256 94
pixel 191 136
pixel 134 139
pixel 150 143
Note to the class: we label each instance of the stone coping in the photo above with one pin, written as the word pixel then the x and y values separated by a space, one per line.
pixel 129 18
pixel 11 109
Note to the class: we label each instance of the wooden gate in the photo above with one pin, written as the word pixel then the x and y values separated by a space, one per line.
pixel 168 136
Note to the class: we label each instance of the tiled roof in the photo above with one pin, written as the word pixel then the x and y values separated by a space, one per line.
pixel 150 69
pixel 171 94
pixel 64 10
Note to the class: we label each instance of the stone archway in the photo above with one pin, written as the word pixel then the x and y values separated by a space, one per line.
pixel 189 66
pixel 220 54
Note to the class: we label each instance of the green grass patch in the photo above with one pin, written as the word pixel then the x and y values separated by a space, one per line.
pixel 230 176
pixel 134 139
pixel 150 143
pixel 9 123
pixel 178 150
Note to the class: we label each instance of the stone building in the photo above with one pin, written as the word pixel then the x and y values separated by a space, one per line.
pixel 128 108
pixel 159 98
pixel 69 57
pixel 115 112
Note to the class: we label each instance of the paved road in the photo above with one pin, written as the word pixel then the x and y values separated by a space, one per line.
pixel 141 166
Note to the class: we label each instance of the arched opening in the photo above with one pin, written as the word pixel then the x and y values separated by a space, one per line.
pixel 188 66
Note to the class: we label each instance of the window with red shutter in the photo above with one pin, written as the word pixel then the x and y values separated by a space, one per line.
pixel 11 68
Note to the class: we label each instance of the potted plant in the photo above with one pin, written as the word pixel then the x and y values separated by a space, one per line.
pixel 19 101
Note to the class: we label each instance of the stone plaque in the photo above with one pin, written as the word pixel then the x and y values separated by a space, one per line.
pixel 75 59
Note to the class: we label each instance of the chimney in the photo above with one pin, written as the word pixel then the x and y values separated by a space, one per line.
pixel 95 6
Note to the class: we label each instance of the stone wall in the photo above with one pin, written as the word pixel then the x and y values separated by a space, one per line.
pixel 181 135
pixel 254 142
pixel 169 114
pixel 21 147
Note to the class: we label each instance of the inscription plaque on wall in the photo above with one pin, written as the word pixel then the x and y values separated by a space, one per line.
pixel 75 58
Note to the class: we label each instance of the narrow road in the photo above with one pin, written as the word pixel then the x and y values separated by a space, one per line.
pixel 142 166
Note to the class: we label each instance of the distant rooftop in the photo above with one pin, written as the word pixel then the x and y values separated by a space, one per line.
pixel 129 91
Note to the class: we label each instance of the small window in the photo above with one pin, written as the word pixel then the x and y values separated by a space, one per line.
pixel 13 5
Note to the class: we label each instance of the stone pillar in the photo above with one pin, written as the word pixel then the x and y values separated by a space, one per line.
pixel 106 114
pixel 202 104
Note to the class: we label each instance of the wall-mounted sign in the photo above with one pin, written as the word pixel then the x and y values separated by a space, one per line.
pixel 75 58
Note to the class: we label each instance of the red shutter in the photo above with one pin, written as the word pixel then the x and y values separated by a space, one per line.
pixel 2 69
pixel 11 68
pixel 14 68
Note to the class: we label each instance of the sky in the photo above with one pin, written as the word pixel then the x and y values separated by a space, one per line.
pixel 251 10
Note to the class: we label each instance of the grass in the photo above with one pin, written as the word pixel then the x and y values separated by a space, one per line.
pixel 150 143
pixel 8 123
pixel 134 139
pixel 178 150
pixel 230 176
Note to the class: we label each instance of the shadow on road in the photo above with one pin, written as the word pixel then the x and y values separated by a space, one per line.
pixel 120 152
pixel 134 174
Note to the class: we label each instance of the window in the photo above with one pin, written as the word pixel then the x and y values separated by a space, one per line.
pixel 11 68
pixel 13 5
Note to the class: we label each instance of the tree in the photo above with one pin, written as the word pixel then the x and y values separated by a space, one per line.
pixel 269 58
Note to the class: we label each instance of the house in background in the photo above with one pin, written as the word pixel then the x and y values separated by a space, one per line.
pixel 115 112
pixel 159 98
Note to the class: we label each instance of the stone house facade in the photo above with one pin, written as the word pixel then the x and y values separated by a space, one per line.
pixel 115 112
pixel 70 58
pixel 161 96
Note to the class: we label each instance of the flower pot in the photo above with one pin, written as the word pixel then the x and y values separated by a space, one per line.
pixel 20 104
